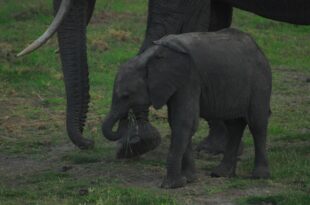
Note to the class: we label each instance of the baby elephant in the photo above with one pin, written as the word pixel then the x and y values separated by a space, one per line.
pixel 214 75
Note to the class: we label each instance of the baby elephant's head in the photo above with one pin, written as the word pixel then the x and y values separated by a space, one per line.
pixel 151 78
pixel 130 87
pixel 129 92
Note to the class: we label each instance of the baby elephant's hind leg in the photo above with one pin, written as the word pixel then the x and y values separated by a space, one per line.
pixel 228 165
pixel 258 128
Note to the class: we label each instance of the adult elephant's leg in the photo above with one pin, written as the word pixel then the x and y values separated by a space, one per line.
pixel 227 167
pixel 215 142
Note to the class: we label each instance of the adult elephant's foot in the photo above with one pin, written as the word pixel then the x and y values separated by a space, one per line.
pixel 190 176
pixel 215 142
pixel 223 170
pixel 138 138
pixel 261 172
pixel 175 182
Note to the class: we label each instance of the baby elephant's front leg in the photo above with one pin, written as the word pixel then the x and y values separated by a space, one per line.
pixel 179 166
pixel 183 120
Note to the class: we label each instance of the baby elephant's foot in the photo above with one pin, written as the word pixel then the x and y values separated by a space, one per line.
pixel 223 170
pixel 171 183
pixel 261 172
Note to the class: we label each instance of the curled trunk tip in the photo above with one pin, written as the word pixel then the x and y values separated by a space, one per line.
pixel 107 128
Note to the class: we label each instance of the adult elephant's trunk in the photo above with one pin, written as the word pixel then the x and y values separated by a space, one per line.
pixel 108 124
pixel 72 17
pixel 73 53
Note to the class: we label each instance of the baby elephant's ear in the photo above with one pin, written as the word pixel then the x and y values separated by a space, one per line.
pixel 167 72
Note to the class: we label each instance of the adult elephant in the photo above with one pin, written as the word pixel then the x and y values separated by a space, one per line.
pixel 165 17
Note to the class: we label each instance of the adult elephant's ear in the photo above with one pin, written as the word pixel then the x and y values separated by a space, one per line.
pixel 168 71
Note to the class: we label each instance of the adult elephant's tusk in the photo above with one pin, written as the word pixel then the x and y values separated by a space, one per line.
pixel 63 10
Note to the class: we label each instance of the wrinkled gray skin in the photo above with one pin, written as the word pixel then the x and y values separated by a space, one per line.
pixel 165 17
pixel 196 75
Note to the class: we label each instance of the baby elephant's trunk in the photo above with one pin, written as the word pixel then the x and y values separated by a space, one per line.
pixel 107 126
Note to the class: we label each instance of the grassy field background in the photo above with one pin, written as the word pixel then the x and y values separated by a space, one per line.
pixel 39 165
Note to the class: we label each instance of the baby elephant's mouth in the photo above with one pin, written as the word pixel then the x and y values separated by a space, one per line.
pixel 134 133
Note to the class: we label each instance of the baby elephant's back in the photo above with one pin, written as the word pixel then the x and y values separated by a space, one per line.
pixel 228 52
pixel 231 69
pixel 229 64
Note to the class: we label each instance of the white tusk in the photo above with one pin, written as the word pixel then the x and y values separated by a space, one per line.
pixel 63 10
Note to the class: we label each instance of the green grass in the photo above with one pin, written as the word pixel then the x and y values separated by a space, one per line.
pixel 290 198
pixel 34 147
pixel 54 188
